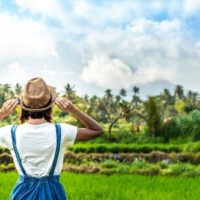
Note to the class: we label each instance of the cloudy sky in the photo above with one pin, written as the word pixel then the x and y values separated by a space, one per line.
pixel 96 45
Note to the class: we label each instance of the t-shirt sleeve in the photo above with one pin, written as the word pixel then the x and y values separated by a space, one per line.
pixel 5 135
pixel 69 133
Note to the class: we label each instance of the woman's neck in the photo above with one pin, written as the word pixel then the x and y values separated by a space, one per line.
pixel 36 121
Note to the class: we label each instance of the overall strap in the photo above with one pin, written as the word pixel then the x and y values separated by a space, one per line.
pixel 58 139
pixel 13 137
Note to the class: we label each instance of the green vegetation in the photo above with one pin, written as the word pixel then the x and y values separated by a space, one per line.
pixel 128 187
pixel 165 118
pixel 126 148
pixel 158 136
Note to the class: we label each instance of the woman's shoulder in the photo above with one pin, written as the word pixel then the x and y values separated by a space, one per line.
pixel 67 125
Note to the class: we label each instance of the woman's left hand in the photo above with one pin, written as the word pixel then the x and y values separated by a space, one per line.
pixel 8 107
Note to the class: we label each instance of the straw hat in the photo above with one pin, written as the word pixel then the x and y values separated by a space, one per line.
pixel 37 95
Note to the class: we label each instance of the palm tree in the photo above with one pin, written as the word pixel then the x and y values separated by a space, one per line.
pixel 108 93
pixel 18 89
pixel 192 101
pixel 167 98
pixel 118 98
pixel 179 92
pixel 122 92
pixel 153 115
pixel 69 91
pixel 136 98
pixel 86 98
pixel 136 90
pixel 93 105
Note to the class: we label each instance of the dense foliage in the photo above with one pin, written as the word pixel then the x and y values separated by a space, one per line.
pixel 165 118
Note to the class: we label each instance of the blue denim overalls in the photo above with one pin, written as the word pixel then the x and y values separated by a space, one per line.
pixel 32 188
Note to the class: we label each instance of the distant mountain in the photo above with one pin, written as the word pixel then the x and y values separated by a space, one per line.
pixel 155 88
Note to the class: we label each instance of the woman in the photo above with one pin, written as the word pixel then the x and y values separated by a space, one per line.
pixel 38 145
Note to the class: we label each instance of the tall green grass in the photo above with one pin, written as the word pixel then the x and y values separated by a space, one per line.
pixel 117 187
pixel 126 148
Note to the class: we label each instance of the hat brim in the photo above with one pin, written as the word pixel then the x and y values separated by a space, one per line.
pixel 53 97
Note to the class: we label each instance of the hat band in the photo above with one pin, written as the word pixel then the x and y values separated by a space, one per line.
pixel 45 107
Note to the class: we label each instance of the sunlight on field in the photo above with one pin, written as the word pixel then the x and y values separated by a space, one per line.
pixel 117 187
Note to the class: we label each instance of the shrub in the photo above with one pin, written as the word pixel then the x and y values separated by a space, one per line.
pixel 109 164
pixel 123 168
pixel 139 164
pixel 178 169
pixel 5 158
pixel 156 156
pixel 151 171
pixel 170 129
pixel 163 165
pixel 81 169
pixel 185 157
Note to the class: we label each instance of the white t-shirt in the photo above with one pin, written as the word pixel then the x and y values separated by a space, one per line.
pixel 36 145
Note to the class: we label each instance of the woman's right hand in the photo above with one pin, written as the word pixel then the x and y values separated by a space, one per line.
pixel 65 105
pixel 8 107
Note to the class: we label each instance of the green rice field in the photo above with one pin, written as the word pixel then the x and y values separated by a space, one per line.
pixel 117 187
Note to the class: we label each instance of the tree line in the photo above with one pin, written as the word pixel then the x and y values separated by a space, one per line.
pixel 165 114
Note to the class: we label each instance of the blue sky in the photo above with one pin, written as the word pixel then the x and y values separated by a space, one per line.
pixel 96 45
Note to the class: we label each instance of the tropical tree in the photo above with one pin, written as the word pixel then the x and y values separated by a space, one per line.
pixel 168 102
pixel 153 115
pixel 69 92
pixel 122 92
pixel 17 89
pixel 167 97
pixel 192 99
pixel 136 99
pixel 179 92
pixel 114 108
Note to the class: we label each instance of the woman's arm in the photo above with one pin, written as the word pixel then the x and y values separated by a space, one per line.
pixel 8 107
pixel 93 128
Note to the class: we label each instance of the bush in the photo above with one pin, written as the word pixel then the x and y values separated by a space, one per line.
pixel 163 165
pixel 5 158
pixel 139 164
pixel 156 156
pixel 109 164
pixel 123 168
pixel 179 169
pixel 4 150
pixel 151 171
pixel 170 129
pixel 81 169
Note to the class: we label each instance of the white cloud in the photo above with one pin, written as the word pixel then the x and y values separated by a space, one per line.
pixel 21 72
pixel 114 73
pixel 107 72
pixel 47 8
pixel 155 50
pixel 14 73
pixel 48 71
pixel 81 7
pixel 153 73
pixel 118 47
pixel 21 38
pixel 191 7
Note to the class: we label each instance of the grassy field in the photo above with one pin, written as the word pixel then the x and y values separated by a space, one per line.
pixel 117 187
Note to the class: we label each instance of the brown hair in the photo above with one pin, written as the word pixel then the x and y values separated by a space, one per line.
pixel 47 114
